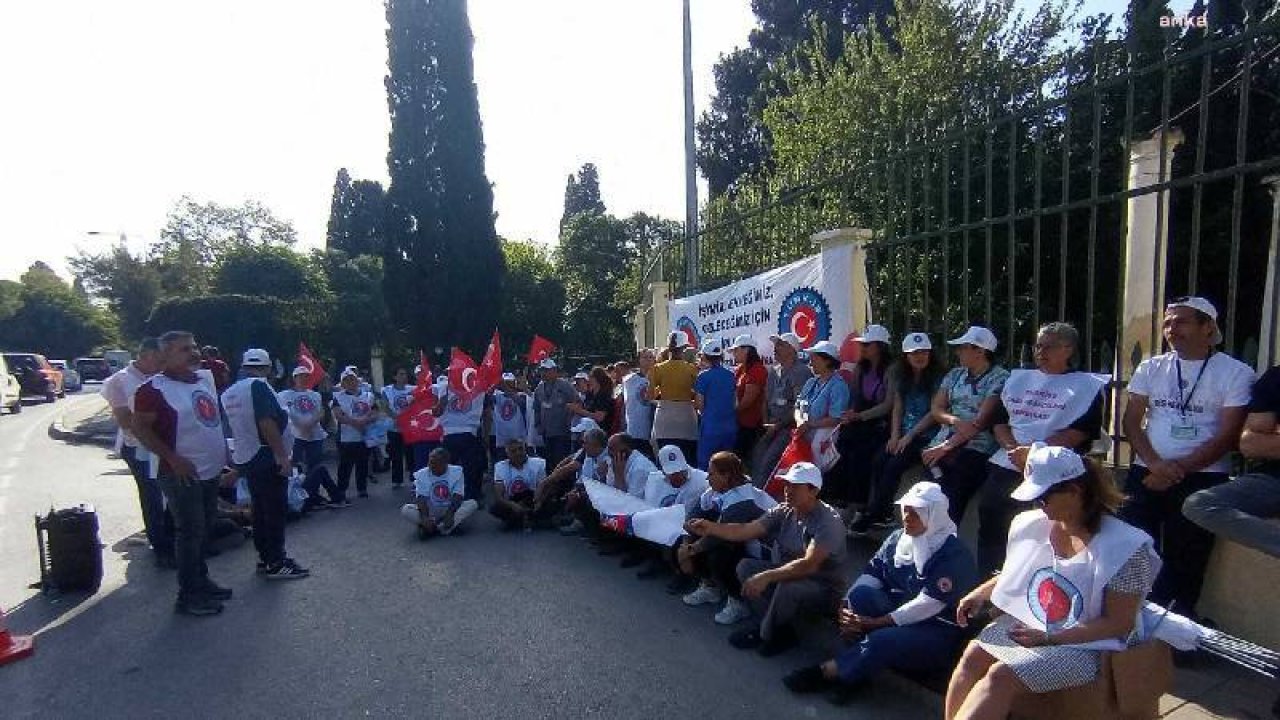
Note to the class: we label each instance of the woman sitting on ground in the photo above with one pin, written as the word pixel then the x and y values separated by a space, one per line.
pixel 1073 583
pixel 897 612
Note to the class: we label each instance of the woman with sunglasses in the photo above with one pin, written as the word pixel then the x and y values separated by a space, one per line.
pixel 1073 585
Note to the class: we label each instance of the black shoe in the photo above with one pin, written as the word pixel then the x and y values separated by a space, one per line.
pixel 861 525
pixel 681 585
pixel 746 639
pixel 217 592
pixel 212 551
pixel 784 638
pixel 198 606
pixel 807 680
pixel 166 561
pixel 287 570
pixel 423 533
pixel 633 560
pixel 655 569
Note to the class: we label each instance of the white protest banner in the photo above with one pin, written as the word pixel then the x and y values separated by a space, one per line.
pixel 612 501
pixel 809 297
pixel 661 525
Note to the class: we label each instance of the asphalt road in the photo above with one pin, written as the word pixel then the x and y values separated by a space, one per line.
pixel 485 624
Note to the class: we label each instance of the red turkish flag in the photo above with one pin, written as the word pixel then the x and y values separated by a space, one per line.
pixel 424 372
pixel 464 377
pixel 540 349
pixel 491 365
pixel 798 450
pixel 417 423
pixel 313 366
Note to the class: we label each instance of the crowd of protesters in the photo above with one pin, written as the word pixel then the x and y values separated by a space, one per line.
pixel 707 429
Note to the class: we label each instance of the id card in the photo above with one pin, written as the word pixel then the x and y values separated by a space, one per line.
pixel 1182 432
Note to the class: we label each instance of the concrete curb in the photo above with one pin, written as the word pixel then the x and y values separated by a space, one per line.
pixel 59 431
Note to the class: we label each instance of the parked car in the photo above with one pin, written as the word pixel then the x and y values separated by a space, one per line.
pixel 10 390
pixel 70 376
pixel 93 368
pixel 36 375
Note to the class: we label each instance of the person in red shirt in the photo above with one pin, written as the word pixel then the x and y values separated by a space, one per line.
pixel 211 360
pixel 749 380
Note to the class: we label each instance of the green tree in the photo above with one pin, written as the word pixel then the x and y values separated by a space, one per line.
pixel 535 297
pixel 359 318
pixel 50 318
pixel 356 216
pixel 269 271
pixel 582 194
pixel 443 264
pixel 196 234
pixel 593 259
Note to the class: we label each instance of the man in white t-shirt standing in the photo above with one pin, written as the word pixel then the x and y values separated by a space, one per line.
pixel 118 391
pixel 636 405
pixel 1185 412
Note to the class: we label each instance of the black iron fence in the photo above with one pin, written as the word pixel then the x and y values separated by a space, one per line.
pixel 1012 220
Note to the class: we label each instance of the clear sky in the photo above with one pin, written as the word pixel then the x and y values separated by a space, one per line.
pixel 113 110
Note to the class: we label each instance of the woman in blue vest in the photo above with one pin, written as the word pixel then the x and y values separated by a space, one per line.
pixel 897 614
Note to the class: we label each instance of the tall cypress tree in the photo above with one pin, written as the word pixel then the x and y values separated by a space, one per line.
pixel 443 263
pixel 582 194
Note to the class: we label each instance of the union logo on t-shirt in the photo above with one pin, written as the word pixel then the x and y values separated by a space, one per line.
pixel 360 407
pixel 205 407
pixel 440 490
pixel 518 486
pixel 304 404
pixel 507 409
pixel 402 402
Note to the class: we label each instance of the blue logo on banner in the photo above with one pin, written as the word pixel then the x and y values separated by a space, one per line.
pixel 805 312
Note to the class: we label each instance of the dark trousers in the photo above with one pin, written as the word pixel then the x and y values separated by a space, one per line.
pixel 401 457
pixel 497 452
pixel 745 442
pixel 352 456
pixel 155 519
pixel 512 511
pixel 720 562
pixel 963 472
pixel 320 478
pixel 851 477
pixel 889 469
pixel 465 450
pixel 555 449
pixel 1183 545
pixel 996 511
pixel 308 453
pixel 268 491
pixel 195 508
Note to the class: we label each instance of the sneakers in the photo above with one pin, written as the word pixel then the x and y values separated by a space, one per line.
pixel 735 610
pixel 784 638
pixel 287 570
pixel 198 606
pixel 572 528
pixel 704 595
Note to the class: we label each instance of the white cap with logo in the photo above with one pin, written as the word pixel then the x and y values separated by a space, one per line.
pixel 743 340
pixel 583 425
pixel 547 364
pixel 1202 305
pixel 300 370
pixel 256 357
pixel 671 458
pixel 803 473
pixel 508 377
pixel 915 342
pixel 977 336
pixel 1047 466
pixel 712 348
pixel 789 338
pixel 826 347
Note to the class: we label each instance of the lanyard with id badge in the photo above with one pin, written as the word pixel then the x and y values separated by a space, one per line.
pixel 1184 429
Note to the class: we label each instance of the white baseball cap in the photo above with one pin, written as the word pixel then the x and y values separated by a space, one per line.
pixel 743 340
pixel 826 347
pixel 874 333
pixel 348 372
pixel 583 425
pixel 712 348
pixel 789 338
pixel 256 357
pixel 301 371
pixel 978 336
pixel 580 375
pixel 671 458
pixel 509 377
pixel 1047 466
pixel 914 342
pixel 803 473
pixel 547 364
pixel 681 337
pixel 1202 305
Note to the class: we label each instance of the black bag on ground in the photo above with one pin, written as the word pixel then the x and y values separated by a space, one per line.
pixel 70 551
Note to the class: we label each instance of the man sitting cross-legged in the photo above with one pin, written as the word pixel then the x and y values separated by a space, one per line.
pixel 809 547
pixel 558 490
pixel 515 480
pixel 676 483
pixel 438 507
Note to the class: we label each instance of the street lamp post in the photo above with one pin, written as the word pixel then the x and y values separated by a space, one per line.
pixel 690 174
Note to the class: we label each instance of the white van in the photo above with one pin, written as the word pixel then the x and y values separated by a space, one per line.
pixel 10 389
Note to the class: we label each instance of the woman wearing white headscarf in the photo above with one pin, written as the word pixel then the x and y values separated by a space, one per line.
pixel 896 614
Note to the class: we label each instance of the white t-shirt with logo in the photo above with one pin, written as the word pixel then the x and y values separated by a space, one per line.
pixel 118 391
pixel 462 417
pixel 1175 434
pixel 509 417
pixel 637 411
pixel 438 490
pixel 659 492
pixel 636 473
pixel 524 479
pixel 397 399
pixel 357 407
pixel 304 406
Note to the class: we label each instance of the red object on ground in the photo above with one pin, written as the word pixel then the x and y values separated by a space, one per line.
pixel 14 647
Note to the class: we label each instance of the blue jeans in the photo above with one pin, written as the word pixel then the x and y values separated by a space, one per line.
pixel 156 520
pixel 921 647
pixel 1241 511
pixel 308 453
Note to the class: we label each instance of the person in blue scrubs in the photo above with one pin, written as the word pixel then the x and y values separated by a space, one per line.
pixel 714 399
pixel 897 614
